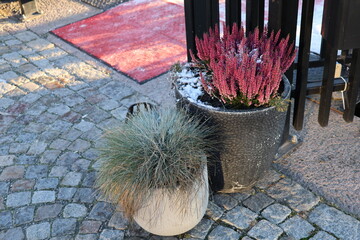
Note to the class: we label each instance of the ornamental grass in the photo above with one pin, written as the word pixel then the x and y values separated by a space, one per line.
pixel 155 149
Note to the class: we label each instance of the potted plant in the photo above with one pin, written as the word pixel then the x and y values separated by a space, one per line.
pixel 236 82
pixel 154 167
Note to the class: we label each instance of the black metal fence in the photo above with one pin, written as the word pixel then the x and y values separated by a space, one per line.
pixel 200 15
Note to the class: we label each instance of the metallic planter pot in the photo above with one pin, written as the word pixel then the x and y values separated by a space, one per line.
pixel 248 142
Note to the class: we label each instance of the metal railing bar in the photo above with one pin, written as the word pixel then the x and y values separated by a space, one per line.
pixel 354 84
pixel 303 63
pixel 327 84
pixel 233 12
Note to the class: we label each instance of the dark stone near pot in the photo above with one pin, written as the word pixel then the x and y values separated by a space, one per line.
pixel 248 141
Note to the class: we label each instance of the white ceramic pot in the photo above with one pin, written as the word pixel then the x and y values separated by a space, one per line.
pixel 169 215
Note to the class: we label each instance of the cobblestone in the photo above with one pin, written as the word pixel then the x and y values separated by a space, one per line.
pixel 37 148
pixel 60 144
pixel 12 172
pixel 90 227
pixel 74 210
pixel 31 98
pixel 25 137
pixel 71 117
pixel 71 179
pixel 30 86
pixel 92 135
pixel 6 102
pixel 53 53
pixel 15 59
pixel 38 231
pixel 59 109
pixel 102 211
pixel 26 36
pixel 118 221
pixel 49 156
pixel 67 159
pixel 18 199
pixel 223 233
pixel 12 42
pixel 24 215
pixel 40 44
pixel 4 188
pixel 49 135
pixel 6 160
pixel 297 227
pixel 22 185
pixel 84 195
pixel 89 179
pixel 62 238
pixel 61 92
pixel 84 126
pixel 80 165
pixel 120 113
pixel 109 104
pixel 336 222
pixel 13 234
pixel 79 145
pixel 36 171
pixel 26 160
pixel 71 135
pixel 225 201
pixel 322 236
pixel 73 100
pixel 18 148
pixel 47 183
pixel 63 227
pixel 48 211
pixel 43 197
pixel 6 220
pixel 265 230
pixel 258 202
pixel 66 193
pixel 86 237
pixel 58 171
pixel 293 194
pixel 47 118
pixel 98 115
pixel 201 230
pixel 112 90
pixel 9 75
pixel 239 217
pixel 214 211
pixel 276 213
pixel 4 67
pixel 111 235
pixel 60 126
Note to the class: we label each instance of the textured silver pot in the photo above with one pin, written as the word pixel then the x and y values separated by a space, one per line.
pixel 248 141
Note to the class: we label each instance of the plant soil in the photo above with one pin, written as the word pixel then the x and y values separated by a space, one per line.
pixel 206 98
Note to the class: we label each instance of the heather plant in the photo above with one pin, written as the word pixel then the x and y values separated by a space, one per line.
pixel 154 149
pixel 243 71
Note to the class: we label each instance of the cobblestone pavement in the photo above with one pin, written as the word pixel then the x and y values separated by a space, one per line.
pixel 53 109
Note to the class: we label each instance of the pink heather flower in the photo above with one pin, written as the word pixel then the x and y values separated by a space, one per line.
pixel 245 69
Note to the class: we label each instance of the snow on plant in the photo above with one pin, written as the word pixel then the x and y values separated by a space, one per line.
pixel 243 71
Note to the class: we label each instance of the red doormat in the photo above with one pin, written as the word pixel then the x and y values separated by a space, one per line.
pixel 140 38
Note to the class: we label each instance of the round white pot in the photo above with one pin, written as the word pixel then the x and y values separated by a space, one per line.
pixel 169 215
